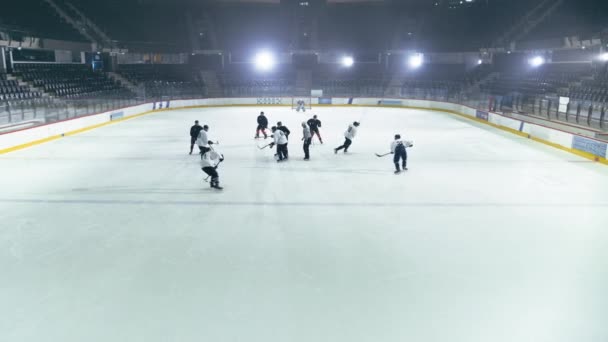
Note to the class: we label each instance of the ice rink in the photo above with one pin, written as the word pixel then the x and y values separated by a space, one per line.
pixel 112 235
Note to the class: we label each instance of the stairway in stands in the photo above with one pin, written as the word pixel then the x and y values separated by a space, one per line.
pixel 303 82
pixel 125 83
pixel 210 78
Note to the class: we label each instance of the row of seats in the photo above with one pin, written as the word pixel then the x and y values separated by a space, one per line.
pixel 104 95
pixel 577 81
pixel 20 96
pixel 66 80
pixel 164 80
pixel 431 89
pixel 257 83
pixel 586 94
pixel 138 73
pixel 11 90
pixel 241 82
pixel 159 89
pixel 351 87
pixel 25 103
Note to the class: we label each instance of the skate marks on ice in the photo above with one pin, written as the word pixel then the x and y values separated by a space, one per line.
pixel 126 190
pixel 317 170
pixel 447 204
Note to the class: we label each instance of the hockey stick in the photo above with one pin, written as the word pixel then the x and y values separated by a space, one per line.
pixel 206 179
pixel 263 147
pixel 383 155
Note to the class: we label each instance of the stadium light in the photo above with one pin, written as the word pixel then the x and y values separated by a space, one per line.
pixel 347 61
pixel 264 61
pixel 536 61
pixel 479 62
pixel 604 57
pixel 415 61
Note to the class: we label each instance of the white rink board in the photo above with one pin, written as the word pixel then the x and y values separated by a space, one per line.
pixel 25 136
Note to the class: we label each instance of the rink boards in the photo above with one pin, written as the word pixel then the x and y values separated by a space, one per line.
pixel 583 146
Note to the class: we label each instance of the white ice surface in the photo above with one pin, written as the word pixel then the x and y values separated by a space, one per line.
pixel 111 235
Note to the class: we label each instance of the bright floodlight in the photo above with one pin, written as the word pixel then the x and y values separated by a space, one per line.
pixel 479 61
pixel 415 61
pixel 348 61
pixel 537 61
pixel 604 57
pixel 264 61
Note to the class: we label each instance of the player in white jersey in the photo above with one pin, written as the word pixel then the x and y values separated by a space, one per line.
pixel 280 139
pixel 400 154
pixel 349 135
pixel 203 140
pixel 209 163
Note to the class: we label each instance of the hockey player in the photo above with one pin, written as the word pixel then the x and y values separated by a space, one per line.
pixel 314 125
pixel 349 135
pixel 202 141
pixel 280 139
pixel 262 126
pixel 194 131
pixel 284 129
pixel 400 154
pixel 209 163
pixel 301 106
pixel 307 139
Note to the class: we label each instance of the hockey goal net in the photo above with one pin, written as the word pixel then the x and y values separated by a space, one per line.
pixel 303 101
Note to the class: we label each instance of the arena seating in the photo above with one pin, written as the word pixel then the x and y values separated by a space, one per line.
pixel 548 79
pixel 237 86
pixel 16 99
pixel 363 79
pixel 593 88
pixel 240 80
pixel 69 81
pixel 164 80
pixel 535 91
pixel 11 90
pixel 350 87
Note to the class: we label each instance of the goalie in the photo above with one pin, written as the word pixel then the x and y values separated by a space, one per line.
pixel 301 105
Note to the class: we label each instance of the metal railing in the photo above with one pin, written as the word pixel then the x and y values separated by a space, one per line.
pixel 591 114
pixel 53 110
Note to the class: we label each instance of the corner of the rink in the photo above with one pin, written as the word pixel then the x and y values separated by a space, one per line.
pixel 520 132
